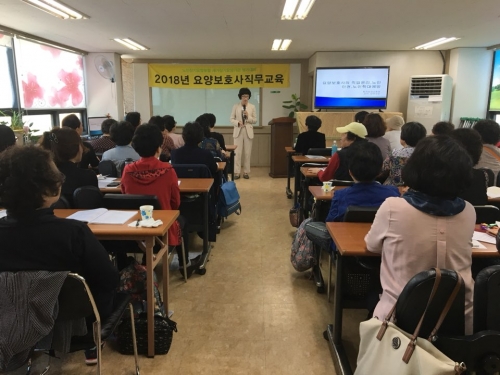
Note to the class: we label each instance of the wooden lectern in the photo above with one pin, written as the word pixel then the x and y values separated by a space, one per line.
pixel 281 136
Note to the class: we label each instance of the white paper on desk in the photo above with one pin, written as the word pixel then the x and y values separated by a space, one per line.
pixel 493 192
pixel 3 213
pixel 103 183
pixel 315 157
pixel 478 245
pixel 483 237
pixel 103 216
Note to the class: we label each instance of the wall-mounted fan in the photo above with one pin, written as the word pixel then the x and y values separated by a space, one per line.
pixel 105 67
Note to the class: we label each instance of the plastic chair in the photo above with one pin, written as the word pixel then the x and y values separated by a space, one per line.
pixel 491 176
pixel 487 214
pixel 87 197
pixel 108 168
pixel 342 183
pixel 62 203
pixel 486 300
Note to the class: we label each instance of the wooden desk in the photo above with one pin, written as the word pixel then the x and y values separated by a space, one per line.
pixel 319 194
pixel 221 165
pixel 289 152
pixel 349 239
pixel 231 149
pixel 146 236
pixel 298 161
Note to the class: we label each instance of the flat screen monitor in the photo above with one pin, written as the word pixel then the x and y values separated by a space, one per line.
pixel 95 125
pixel 352 87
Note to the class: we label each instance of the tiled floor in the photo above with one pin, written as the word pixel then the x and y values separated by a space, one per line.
pixel 251 313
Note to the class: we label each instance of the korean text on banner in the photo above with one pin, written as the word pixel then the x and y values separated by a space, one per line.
pixel 219 76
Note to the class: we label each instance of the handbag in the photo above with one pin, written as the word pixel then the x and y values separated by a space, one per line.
pixel 387 349
pixel 295 215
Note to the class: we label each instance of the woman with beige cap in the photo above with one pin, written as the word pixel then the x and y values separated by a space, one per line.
pixel 393 132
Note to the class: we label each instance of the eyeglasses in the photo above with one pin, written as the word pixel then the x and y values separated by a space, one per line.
pixel 245 97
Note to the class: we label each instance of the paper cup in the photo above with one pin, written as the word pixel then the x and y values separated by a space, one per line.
pixel 146 212
pixel 327 186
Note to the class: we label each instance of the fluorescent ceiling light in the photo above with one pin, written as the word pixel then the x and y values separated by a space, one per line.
pixel 281 45
pixel 129 43
pixel 293 12
pixel 57 9
pixel 436 42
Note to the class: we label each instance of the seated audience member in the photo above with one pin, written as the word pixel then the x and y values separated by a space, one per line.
pixel 365 165
pixel 311 138
pixel 393 133
pixel 7 137
pixel 411 134
pixel 89 157
pixel 104 142
pixel 33 238
pixel 490 136
pixel 218 136
pixel 338 166
pixel 360 116
pixel 476 193
pixel 443 128
pixel 170 125
pixel 375 126
pixel 67 149
pixel 154 177
pixel 134 118
pixel 121 133
pixel 191 153
pixel 429 226
pixel 208 143
pixel 168 144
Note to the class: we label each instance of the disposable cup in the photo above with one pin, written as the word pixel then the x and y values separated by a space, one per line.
pixel 146 212
pixel 327 186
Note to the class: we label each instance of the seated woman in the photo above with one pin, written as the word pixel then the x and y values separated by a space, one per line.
pixel 208 143
pixel 338 166
pixel 168 143
pixel 67 148
pixel 7 137
pixel 490 135
pixel 121 133
pixel 311 138
pixel 443 128
pixel 393 132
pixel 375 126
pixel 152 176
pixel 429 226
pixel 215 135
pixel 33 238
pixel 411 134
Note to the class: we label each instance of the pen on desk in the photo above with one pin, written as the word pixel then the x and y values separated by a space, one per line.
pixel 137 224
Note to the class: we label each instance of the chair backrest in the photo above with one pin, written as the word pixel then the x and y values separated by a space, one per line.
pixel 129 201
pixel 75 299
pixel 87 197
pixel 108 168
pixel 342 183
pixel 487 299
pixel 360 214
pixel 487 214
pixel 319 151
pixel 61 203
pixel 413 300
pixel 491 176
pixel 192 171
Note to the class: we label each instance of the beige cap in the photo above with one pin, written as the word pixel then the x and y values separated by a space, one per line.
pixel 395 122
pixel 355 128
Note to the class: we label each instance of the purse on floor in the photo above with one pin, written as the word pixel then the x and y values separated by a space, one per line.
pixel 387 349
pixel 296 215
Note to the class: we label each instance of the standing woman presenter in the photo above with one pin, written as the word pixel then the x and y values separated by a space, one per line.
pixel 243 116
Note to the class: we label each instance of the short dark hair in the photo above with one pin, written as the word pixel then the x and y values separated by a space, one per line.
pixel 211 118
pixel 169 122
pixel 71 121
pixel 353 137
pixel 7 137
pixel 26 176
pixel 412 132
pixel 471 140
pixel 489 131
pixel 147 138
pixel 443 127
pixel 439 167
pixel 375 125
pixel 244 91
pixel 205 124
pixel 106 125
pixel 360 116
pixel 192 133
pixel 133 118
pixel 158 121
pixel 121 133
pixel 64 143
pixel 313 122
pixel 365 161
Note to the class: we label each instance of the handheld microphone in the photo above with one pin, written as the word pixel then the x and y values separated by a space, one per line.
pixel 243 114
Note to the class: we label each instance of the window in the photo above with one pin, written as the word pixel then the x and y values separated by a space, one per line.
pixel 41 123
pixel 8 96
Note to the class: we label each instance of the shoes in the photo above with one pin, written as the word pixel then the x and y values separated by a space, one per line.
pixel 246 176
pixel 191 266
pixel 236 177
pixel 91 355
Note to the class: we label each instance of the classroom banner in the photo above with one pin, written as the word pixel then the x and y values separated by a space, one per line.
pixel 219 76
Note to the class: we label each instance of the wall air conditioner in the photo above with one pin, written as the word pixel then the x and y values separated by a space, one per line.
pixel 429 99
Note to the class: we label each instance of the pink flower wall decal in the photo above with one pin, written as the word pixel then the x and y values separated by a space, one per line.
pixel 31 91
pixel 55 100
pixel 54 51
pixel 71 82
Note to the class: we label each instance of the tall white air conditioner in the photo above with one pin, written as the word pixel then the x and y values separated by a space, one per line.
pixel 429 99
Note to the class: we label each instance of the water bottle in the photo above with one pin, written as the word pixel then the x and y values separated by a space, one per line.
pixel 295 143
pixel 334 147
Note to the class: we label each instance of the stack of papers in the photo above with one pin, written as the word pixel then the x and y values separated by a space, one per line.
pixel 103 216
pixel 484 237
pixel 103 182
pixel 493 192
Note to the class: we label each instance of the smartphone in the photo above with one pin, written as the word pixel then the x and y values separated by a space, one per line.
pixel 113 184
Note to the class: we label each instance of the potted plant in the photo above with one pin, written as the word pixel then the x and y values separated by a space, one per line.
pixel 21 128
pixel 295 105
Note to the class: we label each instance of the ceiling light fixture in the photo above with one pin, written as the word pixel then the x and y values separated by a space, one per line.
pixel 293 12
pixel 436 42
pixel 57 9
pixel 281 45
pixel 129 43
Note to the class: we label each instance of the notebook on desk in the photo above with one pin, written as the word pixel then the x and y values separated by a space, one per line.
pixel 103 216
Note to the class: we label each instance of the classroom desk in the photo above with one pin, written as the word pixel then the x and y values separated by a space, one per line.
pixel 298 161
pixel 350 241
pixel 231 149
pixel 289 152
pixel 145 237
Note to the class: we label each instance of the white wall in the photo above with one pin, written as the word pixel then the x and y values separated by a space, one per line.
pixel 104 96
pixel 142 100
pixel 403 64
pixel 471 72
